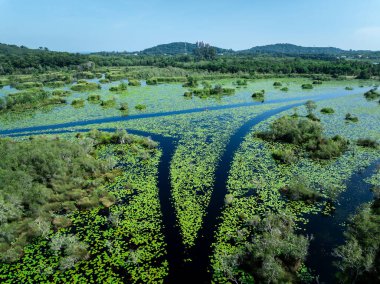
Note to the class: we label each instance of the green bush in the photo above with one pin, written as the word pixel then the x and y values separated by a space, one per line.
pixel 259 95
pixel 216 91
pixel 191 82
pixel 241 82
pixel 317 82
pixel 124 107
pixel 93 98
pixel 61 93
pixel 108 103
pixel 306 134
pixel 372 94
pixel 327 110
pixel 42 180
pixel 368 142
pixel 299 189
pixel 350 117
pixel 286 156
pixel 284 89
pixel 140 107
pixel 55 84
pixel 122 87
pixel 28 85
pixel 307 86
pixel 104 81
pixel 277 84
pixel 349 88
pixel 188 94
pixel 83 86
pixel 152 81
pixel 132 82
pixel 77 103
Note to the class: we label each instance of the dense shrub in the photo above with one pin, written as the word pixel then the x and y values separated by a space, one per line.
pixel 140 107
pixel 191 82
pixel 307 86
pixel 77 103
pixel 55 84
pixel 359 257
pixel 299 189
pixel 133 82
pixel 108 103
pixel 259 95
pixel 372 94
pixel 327 110
pixel 42 180
pixel 284 89
pixel 104 81
pixel 349 88
pixel 241 82
pixel 93 98
pixel 350 117
pixel 119 88
pixel 317 82
pixel 286 156
pixel 28 85
pixel 124 107
pixel 272 253
pixel 152 81
pixel 30 99
pixel 277 84
pixel 215 91
pixel 306 134
pixel 83 86
pixel 368 142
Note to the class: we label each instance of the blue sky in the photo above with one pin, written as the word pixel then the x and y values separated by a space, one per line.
pixel 94 25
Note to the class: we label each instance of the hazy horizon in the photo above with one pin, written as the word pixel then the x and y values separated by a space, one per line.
pixel 91 26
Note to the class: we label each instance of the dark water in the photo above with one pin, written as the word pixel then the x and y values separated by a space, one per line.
pixel 196 271
pixel 328 231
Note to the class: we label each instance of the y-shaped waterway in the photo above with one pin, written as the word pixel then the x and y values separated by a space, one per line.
pixel 195 271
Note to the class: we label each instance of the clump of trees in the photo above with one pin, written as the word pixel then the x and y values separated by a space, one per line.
pixel 350 117
pixel 300 189
pixel 307 134
pixel 28 85
pixel 152 81
pixel 29 99
pixel 78 103
pixel 359 258
pixel 140 107
pixel 241 82
pixel 368 142
pixel 286 156
pixel 119 88
pixel 82 86
pixel 93 98
pixel 108 103
pixel 209 91
pixel 204 51
pixel 43 180
pixel 134 82
pixel 259 95
pixel 307 86
pixel 272 254
pixel 327 110
pixel 372 94
pixel 191 82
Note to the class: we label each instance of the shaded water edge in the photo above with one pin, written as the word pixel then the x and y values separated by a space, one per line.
pixel 328 231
